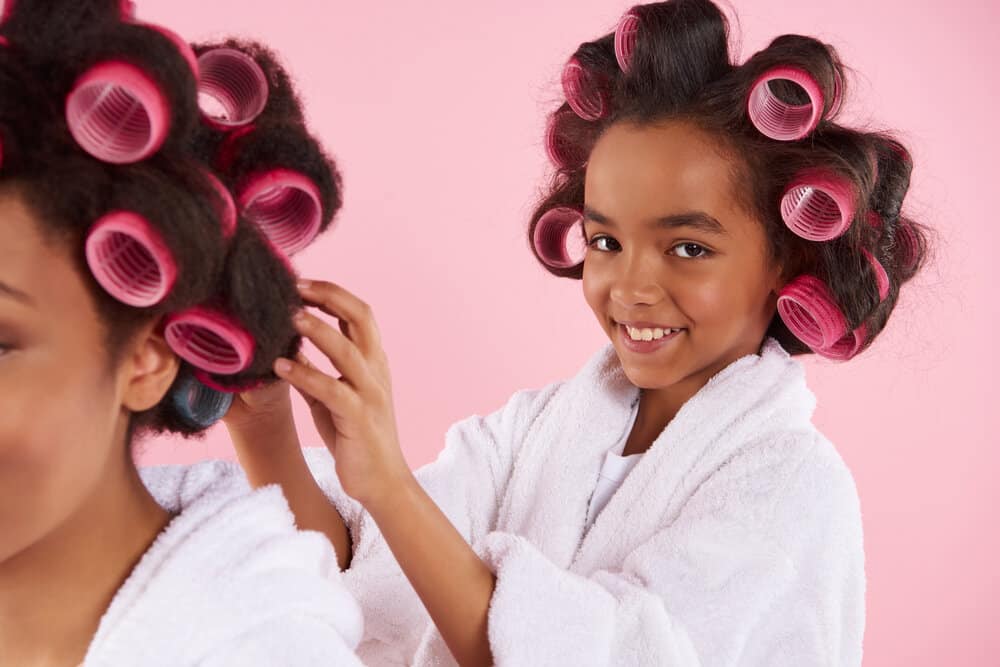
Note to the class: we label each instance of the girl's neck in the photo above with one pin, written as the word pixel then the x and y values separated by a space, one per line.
pixel 54 593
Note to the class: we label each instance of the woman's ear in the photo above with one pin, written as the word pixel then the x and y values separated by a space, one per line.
pixel 150 369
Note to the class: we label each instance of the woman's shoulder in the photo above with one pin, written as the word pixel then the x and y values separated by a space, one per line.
pixel 230 562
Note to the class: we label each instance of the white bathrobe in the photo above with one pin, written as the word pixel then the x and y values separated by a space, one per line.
pixel 736 540
pixel 229 582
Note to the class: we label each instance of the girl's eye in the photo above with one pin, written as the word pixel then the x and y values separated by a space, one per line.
pixel 690 250
pixel 604 243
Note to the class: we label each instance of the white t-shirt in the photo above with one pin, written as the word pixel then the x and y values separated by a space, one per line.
pixel 614 471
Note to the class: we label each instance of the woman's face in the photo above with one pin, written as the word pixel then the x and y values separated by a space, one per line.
pixel 63 408
pixel 673 258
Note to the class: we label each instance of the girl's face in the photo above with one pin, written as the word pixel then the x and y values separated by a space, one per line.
pixel 63 408
pixel 673 258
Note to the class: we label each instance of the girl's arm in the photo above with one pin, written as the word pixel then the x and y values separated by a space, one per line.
pixel 263 432
pixel 354 414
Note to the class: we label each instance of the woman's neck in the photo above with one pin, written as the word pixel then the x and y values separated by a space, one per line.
pixel 54 593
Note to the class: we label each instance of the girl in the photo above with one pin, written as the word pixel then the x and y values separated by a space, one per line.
pixel 672 504
pixel 128 288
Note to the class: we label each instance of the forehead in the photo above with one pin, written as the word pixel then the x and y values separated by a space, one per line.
pixel 32 263
pixel 649 171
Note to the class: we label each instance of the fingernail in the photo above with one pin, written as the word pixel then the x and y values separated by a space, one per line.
pixel 300 318
pixel 305 284
pixel 282 366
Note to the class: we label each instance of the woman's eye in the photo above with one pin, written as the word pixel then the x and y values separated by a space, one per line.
pixel 604 243
pixel 690 250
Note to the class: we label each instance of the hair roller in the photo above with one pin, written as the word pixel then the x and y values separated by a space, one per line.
pixel 224 205
pixel 818 205
pixel 233 88
pixel 881 277
pixel 283 183
pixel 198 405
pixel 182 46
pixel 130 260
pixel 553 238
pixel 808 309
pixel 568 139
pixel 584 91
pixel 908 248
pixel 210 340
pixel 123 108
pixel 781 120
pixel 625 37
pixel 847 347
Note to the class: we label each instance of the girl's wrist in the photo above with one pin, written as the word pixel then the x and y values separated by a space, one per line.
pixel 399 491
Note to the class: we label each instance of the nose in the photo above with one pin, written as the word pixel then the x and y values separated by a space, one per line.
pixel 637 284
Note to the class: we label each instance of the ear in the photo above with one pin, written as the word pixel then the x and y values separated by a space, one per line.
pixel 150 369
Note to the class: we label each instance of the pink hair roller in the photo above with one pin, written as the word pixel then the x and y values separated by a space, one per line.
pixel 881 277
pixel 907 245
pixel 117 113
pixel 179 43
pixel 561 153
pixel 847 347
pixel 129 259
pixel 553 240
pixel 225 207
pixel 210 341
pixel 127 9
pixel 625 36
pixel 582 91
pixel 810 312
pixel 818 206
pixel 285 205
pixel 780 120
pixel 232 90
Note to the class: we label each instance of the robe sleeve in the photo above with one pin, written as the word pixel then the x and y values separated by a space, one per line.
pixel 466 481
pixel 745 575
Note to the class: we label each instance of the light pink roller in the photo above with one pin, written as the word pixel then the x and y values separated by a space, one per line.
pixel 881 277
pixel 818 206
pixel 810 312
pixel 225 206
pixel 210 340
pixel 625 37
pixel 847 347
pixel 554 238
pixel 129 259
pixel 560 152
pixel 285 205
pixel 780 120
pixel 117 113
pixel 583 92
pixel 232 90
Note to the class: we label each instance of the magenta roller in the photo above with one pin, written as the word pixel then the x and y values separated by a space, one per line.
pixel 818 206
pixel 881 277
pixel 117 113
pixel 780 120
pixel 847 347
pixel 559 239
pixel 232 90
pixel 808 309
pixel 583 92
pixel 129 259
pixel 625 36
pixel 210 340
pixel 907 245
pixel 179 43
pixel 285 205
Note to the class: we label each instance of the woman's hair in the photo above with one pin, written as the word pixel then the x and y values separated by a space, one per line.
pixel 671 61
pixel 200 197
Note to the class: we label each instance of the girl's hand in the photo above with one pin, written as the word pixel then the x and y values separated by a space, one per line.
pixel 353 413
pixel 260 411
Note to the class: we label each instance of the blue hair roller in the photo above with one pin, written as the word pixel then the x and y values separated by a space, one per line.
pixel 198 405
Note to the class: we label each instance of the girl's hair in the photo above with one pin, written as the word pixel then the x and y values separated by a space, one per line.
pixel 190 192
pixel 671 61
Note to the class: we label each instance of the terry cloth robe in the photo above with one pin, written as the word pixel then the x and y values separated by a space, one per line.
pixel 229 582
pixel 736 539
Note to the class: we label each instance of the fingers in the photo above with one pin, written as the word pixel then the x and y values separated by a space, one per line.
pixel 315 385
pixel 343 354
pixel 349 309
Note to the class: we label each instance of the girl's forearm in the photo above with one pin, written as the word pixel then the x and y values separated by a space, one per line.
pixel 273 455
pixel 453 583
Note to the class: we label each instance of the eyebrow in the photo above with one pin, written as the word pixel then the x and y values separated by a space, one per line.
pixel 16 294
pixel 694 219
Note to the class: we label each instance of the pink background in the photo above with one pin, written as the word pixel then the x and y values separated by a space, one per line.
pixel 435 112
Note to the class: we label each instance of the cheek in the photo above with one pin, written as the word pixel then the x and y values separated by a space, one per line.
pixel 596 289
pixel 55 433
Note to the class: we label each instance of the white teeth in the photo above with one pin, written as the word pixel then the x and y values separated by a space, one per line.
pixel 648 334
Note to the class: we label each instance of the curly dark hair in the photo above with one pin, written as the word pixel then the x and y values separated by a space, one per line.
pixel 681 69
pixel 44 47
